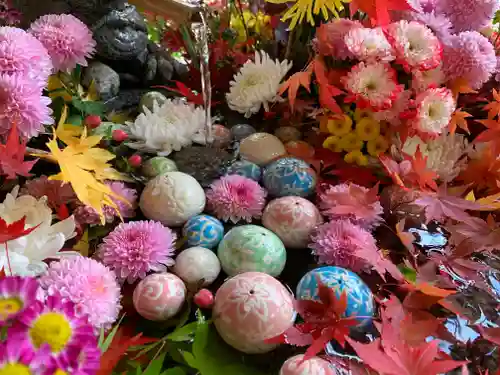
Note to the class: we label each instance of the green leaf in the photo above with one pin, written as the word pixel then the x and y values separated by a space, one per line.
pixel 174 371
pixel 155 366
pixel 88 107
pixel 409 273
pixel 185 333
pixel 201 335
pixel 496 19
pixel 190 360
pixel 104 344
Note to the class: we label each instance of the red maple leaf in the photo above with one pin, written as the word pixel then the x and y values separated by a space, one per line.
pixel 420 175
pixel 327 91
pixel 186 92
pixel 12 156
pixel 378 10
pixel 492 134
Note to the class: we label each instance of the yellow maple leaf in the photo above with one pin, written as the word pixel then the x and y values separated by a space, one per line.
pixel 68 133
pixel 83 244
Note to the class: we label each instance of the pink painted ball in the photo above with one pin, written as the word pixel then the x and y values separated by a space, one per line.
pixel 222 135
pixel 292 219
pixel 312 366
pixel 251 308
pixel 159 296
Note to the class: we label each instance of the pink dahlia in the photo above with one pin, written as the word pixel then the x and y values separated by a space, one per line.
pixel 21 53
pixel 415 45
pixel 466 15
pixel 471 56
pixel 16 294
pixel 373 85
pixel 91 286
pixel 21 102
pixel 353 202
pixel 437 22
pixel 330 38
pixel 56 192
pixel 369 44
pixel 133 249
pixel 236 198
pixel 17 354
pixel 67 39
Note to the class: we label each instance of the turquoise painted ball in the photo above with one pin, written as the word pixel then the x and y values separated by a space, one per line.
pixel 251 248
pixel 204 231
pixel 289 176
pixel 359 296
pixel 246 169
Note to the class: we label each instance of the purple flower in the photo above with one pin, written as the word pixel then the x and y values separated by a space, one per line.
pixel 471 56
pixel 67 39
pixel 133 249
pixel 468 15
pixel 16 293
pixel 17 356
pixel 81 360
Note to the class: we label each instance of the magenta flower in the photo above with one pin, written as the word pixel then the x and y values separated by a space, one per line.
pixel 236 198
pixel 56 192
pixel 90 285
pixel 17 356
pixel 16 293
pixel 22 54
pixel 81 360
pixel 21 102
pixel 67 39
pixel 133 249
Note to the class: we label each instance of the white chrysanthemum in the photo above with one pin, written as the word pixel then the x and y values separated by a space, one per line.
pixel 25 256
pixel 424 79
pixel 168 127
pixel 393 114
pixel 415 45
pixel 445 154
pixel 257 84
pixel 434 110
pixel 372 85
pixel 369 44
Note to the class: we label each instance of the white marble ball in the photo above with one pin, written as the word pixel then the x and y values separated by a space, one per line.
pixel 172 198
pixel 196 264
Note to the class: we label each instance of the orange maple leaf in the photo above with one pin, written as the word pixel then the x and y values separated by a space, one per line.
pixel 406 238
pixel 482 172
pixel 493 107
pixel 293 83
pixel 420 174
pixel 492 134
pixel 459 119
pixel 378 10
pixel 460 86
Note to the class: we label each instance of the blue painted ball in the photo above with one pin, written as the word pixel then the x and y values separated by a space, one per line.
pixel 289 176
pixel 204 231
pixel 359 296
pixel 246 169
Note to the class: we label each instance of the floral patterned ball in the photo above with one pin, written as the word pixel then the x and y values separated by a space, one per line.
pixel 197 265
pixel 158 165
pixel 246 169
pixel 359 296
pixel 159 296
pixel 251 308
pixel 292 219
pixel 203 230
pixel 250 248
pixel 313 366
pixel 289 176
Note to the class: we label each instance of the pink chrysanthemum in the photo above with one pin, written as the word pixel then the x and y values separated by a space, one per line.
pixel 369 44
pixel 84 360
pixel 126 208
pixel 471 56
pixel 90 285
pixel 372 85
pixel 437 22
pixel 21 53
pixel 339 242
pixel 16 294
pixel 21 102
pixel 466 15
pixel 57 192
pixel 393 114
pixel 415 45
pixel 53 323
pixel 434 108
pixel 17 353
pixel 236 198
pixel 352 202
pixel 133 249
pixel 427 79
pixel 330 38
pixel 67 39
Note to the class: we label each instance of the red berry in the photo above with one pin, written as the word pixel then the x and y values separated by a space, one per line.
pixel 119 135
pixel 93 121
pixel 135 160
pixel 204 298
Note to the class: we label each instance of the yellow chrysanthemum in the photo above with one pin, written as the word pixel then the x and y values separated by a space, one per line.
pixel 377 146
pixel 332 143
pixel 367 129
pixel 360 114
pixel 258 23
pixel 350 142
pixel 307 8
pixel 339 127
pixel 356 157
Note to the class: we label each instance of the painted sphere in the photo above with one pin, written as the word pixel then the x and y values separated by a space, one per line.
pixel 172 198
pixel 313 366
pixel 292 219
pixel 289 176
pixel 261 148
pixel 287 134
pixel 197 264
pixel 242 131
pixel 246 169
pixel 359 296
pixel 251 308
pixel 251 248
pixel 149 98
pixel 158 165
pixel 222 136
pixel 203 230
pixel 159 296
